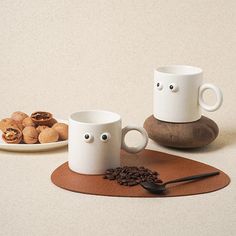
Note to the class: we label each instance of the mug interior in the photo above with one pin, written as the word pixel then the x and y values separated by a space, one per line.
pixel 180 70
pixel 95 117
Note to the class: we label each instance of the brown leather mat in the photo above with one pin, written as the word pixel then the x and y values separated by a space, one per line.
pixel 168 166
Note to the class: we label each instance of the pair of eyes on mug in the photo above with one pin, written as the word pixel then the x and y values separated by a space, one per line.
pixel 173 87
pixel 104 137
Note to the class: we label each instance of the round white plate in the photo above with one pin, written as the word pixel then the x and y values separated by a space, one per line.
pixel 33 147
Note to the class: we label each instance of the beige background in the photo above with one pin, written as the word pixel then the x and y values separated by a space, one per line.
pixel 64 56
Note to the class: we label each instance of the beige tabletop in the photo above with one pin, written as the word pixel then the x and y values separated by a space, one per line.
pixel 65 56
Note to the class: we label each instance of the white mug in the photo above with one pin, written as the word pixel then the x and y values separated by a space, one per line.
pixel 178 94
pixel 95 140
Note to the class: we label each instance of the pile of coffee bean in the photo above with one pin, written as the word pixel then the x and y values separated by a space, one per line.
pixel 132 175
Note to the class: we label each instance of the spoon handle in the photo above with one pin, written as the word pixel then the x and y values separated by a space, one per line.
pixel 193 177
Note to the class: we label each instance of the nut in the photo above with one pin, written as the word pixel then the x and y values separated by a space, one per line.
pixel 22 128
pixel 30 135
pixel 62 130
pixel 18 116
pixel 48 135
pixel 40 128
pixel 28 122
pixel 52 122
pixel 41 117
pixel 12 135
pixel 9 122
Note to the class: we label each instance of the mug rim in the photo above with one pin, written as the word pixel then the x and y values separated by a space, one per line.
pixel 175 70
pixel 114 117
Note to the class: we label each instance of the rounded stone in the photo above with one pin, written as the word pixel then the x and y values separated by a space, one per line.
pixel 182 135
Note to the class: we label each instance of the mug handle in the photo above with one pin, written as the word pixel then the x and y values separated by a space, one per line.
pixel 140 147
pixel 218 93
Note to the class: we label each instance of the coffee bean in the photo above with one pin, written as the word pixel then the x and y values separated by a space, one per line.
pixel 110 177
pixel 132 183
pixel 132 175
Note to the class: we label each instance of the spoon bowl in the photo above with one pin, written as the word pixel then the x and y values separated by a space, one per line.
pixel 153 187
pixel 161 188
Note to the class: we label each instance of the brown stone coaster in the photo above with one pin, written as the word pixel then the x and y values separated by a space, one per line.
pixel 168 166
pixel 182 135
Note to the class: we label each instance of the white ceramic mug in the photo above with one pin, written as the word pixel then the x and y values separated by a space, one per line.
pixel 178 94
pixel 95 140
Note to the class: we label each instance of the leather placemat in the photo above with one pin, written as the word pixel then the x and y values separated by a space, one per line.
pixel 167 165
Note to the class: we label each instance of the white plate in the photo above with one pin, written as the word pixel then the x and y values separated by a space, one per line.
pixel 32 147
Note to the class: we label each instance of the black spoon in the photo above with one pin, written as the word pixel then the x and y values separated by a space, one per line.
pixel 160 188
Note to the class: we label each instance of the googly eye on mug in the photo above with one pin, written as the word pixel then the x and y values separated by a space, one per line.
pixel 88 138
pixel 159 86
pixel 173 87
pixel 105 137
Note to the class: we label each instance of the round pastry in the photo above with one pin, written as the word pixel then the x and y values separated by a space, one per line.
pixel 40 128
pixel 41 117
pixel 62 130
pixel 18 116
pixel 48 135
pixel 12 135
pixel 28 122
pixel 30 135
